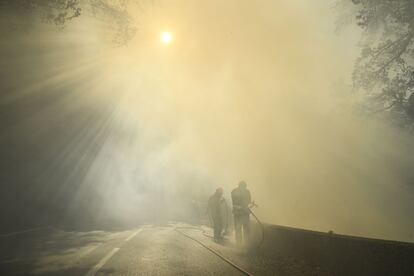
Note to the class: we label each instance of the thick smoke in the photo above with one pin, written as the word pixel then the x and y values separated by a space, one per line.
pixel 254 91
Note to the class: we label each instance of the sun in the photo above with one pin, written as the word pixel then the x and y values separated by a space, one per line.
pixel 166 37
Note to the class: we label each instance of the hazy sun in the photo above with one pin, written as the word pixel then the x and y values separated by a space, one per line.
pixel 166 37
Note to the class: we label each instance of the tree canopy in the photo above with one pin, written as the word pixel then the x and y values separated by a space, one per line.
pixel 384 68
pixel 61 12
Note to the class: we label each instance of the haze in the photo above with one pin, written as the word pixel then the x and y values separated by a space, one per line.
pixel 252 90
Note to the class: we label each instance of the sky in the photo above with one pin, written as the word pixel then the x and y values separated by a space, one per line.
pixel 257 91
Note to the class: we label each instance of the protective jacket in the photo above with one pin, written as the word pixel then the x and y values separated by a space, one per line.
pixel 241 199
pixel 215 205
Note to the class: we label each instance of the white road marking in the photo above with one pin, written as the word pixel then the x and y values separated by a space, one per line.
pixel 101 263
pixel 89 250
pixel 82 253
pixel 133 234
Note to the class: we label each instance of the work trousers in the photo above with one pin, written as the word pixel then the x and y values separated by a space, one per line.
pixel 218 227
pixel 242 228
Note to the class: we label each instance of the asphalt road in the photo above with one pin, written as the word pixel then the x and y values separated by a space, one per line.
pixel 148 250
pixel 163 251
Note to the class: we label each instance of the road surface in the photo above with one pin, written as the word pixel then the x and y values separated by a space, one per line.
pixel 147 250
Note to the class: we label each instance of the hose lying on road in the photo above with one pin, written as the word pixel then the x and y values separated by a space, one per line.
pixel 261 228
pixel 214 252
pixel 258 222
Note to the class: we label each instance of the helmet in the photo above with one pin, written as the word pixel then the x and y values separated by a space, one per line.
pixel 242 184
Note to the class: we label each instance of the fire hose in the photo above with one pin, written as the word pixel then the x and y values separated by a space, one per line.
pixel 259 223
pixel 242 270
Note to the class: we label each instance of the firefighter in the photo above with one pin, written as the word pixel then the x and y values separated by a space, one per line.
pixel 216 204
pixel 241 199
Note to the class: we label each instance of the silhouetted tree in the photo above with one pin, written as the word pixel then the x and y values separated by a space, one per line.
pixel 60 12
pixel 385 66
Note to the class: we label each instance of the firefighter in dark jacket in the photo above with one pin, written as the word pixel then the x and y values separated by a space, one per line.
pixel 241 199
pixel 216 205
